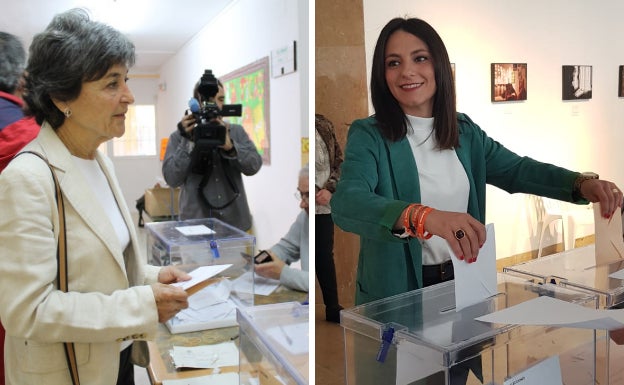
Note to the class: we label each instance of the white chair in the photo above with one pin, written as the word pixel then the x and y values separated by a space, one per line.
pixel 551 211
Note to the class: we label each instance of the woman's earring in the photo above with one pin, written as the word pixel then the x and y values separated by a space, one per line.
pixel 67 112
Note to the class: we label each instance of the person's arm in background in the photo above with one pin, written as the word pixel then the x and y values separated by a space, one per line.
pixel 292 247
pixel 176 163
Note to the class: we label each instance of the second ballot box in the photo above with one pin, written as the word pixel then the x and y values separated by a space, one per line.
pixel 577 269
pixel 274 347
pixel 419 338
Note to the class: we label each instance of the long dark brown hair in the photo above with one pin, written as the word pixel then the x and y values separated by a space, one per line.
pixel 390 117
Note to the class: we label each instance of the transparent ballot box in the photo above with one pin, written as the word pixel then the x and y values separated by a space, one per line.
pixel 576 269
pixel 204 242
pixel 274 344
pixel 419 338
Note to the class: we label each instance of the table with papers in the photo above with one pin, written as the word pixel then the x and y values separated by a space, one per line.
pixel 162 370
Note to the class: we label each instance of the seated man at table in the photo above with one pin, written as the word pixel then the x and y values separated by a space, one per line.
pixel 293 246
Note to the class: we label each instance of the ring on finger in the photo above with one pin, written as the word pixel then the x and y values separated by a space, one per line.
pixel 459 234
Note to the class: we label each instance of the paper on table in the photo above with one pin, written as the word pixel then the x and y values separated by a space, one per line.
pixel 476 281
pixel 259 286
pixel 550 311
pixel 609 242
pixel 293 338
pixel 547 371
pixel 215 313
pixel 211 295
pixel 617 275
pixel 230 378
pixel 195 230
pixel 199 278
pixel 205 356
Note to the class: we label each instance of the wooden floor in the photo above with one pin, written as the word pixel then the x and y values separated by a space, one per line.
pixel 329 350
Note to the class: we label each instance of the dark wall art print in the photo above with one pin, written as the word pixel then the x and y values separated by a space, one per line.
pixel 576 82
pixel 509 82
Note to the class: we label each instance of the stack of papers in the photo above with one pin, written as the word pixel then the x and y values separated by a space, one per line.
pixel 259 286
pixel 213 379
pixel 205 356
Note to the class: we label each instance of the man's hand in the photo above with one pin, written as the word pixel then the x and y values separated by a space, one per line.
pixel 271 269
pixel 187 124
pixel 323 196
pixel 228 145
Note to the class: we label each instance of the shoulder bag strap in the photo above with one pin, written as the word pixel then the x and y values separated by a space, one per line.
pixel 61 262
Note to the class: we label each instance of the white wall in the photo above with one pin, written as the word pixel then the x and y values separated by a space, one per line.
pixel 246 31
pixel 135 174
pixel 579 135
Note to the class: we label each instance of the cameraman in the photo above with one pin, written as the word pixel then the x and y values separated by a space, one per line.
pixel 218 190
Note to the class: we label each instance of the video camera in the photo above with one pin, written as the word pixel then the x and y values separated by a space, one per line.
pixel 209 132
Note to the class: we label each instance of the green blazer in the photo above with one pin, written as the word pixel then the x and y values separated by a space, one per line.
pixel 380 179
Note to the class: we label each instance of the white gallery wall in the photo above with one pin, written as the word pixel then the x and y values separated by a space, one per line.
pixel 579 135
pixel 245 32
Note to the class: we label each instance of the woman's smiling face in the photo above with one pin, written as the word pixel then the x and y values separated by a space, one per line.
pixel 410 74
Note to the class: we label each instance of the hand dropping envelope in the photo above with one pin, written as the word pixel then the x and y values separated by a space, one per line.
pixel 608 233
pixel 474 282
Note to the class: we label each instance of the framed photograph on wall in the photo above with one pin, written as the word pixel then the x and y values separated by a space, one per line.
pixel 621 82
pixel 576 82
pixel 509 82
pixel 249 86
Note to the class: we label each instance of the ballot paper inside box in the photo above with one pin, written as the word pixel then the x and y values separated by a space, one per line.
pixel 274 344
pixel 418 336
pixel 202 242
pixel 577 269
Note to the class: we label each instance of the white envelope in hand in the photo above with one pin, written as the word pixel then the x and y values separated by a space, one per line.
pixel 608 233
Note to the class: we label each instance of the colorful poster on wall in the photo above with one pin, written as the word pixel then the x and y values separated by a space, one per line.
pixel 249 86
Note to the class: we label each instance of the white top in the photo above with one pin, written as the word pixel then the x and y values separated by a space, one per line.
pixel 100 187
pixel 443 182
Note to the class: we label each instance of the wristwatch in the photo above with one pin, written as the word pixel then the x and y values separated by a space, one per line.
pixel 582 177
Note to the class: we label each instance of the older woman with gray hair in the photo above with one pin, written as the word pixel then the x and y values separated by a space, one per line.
pixel 77 90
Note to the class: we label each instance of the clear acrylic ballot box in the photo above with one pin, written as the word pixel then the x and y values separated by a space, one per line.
pixel 274 344
pixel 202 242
pixel 576 269
pixel 419 338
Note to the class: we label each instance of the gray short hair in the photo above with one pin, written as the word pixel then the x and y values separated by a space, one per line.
pixel 72 50
pixel 12 61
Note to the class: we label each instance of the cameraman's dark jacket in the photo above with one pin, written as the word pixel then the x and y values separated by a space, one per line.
pixel 226 167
